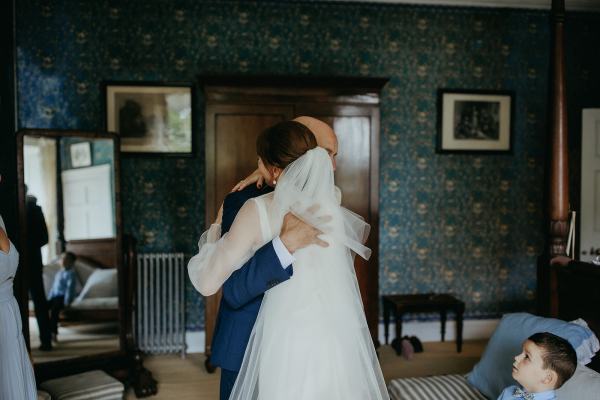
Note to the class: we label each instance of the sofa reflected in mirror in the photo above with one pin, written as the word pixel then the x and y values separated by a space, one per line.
pixel 87 321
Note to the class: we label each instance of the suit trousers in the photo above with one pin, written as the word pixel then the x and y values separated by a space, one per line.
pixel 57 303
pixel 38 295
pixel 227 381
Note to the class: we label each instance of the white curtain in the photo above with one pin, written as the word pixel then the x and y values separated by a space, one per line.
pixel 40 177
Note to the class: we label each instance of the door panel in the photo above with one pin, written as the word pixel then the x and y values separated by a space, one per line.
pixel 87 197
pixel 352 173
pixel 231 132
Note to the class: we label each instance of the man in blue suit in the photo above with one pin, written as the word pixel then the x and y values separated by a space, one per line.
pixel 270 265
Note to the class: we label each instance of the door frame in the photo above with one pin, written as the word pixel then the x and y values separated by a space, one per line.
pixel 347 91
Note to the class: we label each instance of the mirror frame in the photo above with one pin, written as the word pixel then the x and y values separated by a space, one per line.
pixel 124 363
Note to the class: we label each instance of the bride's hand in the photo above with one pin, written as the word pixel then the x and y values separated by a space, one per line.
pixel 255 177
pixel 219 216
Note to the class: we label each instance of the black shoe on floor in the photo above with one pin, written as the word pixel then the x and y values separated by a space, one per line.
pixel 417 345
pixel 45 347
pixel 397 346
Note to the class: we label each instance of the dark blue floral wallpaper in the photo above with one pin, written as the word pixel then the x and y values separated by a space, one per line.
pixel 467 224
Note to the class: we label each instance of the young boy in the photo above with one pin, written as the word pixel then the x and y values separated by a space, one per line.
pixel 63 290
pixel 545 364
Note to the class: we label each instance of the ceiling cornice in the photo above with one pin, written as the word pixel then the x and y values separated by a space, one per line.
pixel 570 5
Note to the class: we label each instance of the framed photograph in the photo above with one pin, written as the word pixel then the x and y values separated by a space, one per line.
pixel 151 119
pixel 81 154
pixel 474 121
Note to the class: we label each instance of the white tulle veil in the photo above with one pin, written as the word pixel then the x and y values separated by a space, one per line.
pixel 311 339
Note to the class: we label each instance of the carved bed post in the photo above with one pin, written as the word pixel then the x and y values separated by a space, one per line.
pixel 558 196
pixel 559 167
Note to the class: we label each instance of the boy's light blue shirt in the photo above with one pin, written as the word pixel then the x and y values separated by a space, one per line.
pixel 64 285
pixel 509 394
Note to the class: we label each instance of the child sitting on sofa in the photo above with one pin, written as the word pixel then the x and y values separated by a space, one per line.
pixel 545 364
pixel 63 290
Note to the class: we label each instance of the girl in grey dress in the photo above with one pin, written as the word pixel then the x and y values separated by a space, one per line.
pixel 16 373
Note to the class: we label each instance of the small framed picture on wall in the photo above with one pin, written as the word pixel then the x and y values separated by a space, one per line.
pixel 81 154
pixel 474 121
pixel 151 118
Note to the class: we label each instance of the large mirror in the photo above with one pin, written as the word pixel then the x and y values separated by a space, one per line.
pixel 72 246
pixel 77 280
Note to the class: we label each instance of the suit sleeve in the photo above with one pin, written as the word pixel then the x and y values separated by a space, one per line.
pixel 43 228
pixel 262 272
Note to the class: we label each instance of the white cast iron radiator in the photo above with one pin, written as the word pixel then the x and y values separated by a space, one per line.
pixel 160 311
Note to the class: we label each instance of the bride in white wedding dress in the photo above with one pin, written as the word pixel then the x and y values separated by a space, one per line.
pixel 310 340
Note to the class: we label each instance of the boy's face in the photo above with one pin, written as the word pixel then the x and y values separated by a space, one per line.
pixel 528 369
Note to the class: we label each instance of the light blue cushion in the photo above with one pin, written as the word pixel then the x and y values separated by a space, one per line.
pixel 583 385
pixel 494 371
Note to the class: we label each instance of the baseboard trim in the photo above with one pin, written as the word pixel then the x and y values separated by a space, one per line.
pixel 194 341
pixel 430 331
pixel 426 331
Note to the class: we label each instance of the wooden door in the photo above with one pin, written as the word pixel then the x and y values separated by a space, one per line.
pixel 231 132
pixel 238 109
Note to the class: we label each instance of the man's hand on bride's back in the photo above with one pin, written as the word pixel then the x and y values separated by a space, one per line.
pixel 297 234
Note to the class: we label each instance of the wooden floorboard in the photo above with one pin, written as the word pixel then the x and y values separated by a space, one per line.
pixel 186 379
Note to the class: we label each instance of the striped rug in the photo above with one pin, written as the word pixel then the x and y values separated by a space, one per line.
pixel 440 387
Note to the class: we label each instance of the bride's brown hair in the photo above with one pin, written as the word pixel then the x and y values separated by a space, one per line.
pixel 284 143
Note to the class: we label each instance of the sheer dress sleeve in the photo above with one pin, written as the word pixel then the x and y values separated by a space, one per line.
pixel 218 257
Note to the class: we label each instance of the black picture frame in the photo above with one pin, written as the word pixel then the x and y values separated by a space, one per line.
pixel 137 102
pixel 475 121
pixel 80 154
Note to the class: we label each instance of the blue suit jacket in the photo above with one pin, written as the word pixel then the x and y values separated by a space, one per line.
pixel 243 291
